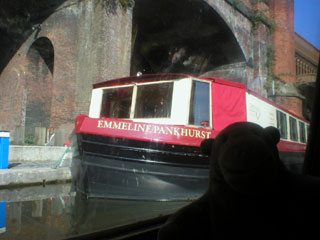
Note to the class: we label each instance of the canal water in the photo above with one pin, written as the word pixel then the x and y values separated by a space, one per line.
pixel 56 212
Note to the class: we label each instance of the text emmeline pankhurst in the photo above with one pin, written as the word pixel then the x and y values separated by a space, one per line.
pixel 155 129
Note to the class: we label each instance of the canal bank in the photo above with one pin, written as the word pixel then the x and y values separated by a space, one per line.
pixel 32 165
pixel 30 173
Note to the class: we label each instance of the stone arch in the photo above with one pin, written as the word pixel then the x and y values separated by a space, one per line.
pixel 38 84
pixel 238 23
pixel 188 36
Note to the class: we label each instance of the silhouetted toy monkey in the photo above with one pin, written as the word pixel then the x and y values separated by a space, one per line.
pixel 251 195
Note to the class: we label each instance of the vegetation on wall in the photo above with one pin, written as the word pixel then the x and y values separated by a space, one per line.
pixel 259 17
pixel 271 77
pixel 270 60
pixel 111 5
pixel 29 140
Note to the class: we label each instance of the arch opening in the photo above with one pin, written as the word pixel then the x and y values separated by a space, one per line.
pixel 39 87
pixel 182 36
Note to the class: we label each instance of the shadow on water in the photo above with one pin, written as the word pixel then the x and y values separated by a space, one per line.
pixel 55 212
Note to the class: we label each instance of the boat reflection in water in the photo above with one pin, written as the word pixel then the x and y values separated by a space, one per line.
pixel 3 214
pixel 55 212
pixel 142 137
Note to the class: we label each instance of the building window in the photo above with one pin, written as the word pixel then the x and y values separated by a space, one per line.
pixel 302 132
pixel 282 124
pixel 293 129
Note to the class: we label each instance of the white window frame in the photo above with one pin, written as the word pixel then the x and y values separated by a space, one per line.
pixel 180 106
pixel 305 130
pixel 150 120
pixel 210 103
pixel 297 128
pixel 96 100
pixel 287 122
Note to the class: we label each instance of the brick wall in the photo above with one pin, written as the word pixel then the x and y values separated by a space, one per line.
pixel 13 92
pixel 90 44
pixel 293 104
pixel 284 65
pixel 282 12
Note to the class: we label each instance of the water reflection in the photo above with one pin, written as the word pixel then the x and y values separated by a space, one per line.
pixel 3 213
pixel 68 214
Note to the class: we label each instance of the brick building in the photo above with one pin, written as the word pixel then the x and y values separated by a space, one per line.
pixel 307 59
pixel 54 51
pixel 293 57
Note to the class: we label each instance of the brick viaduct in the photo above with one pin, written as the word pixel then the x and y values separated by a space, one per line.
pixel 48 80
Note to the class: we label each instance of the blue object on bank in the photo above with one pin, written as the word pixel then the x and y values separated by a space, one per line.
pixel 4 149
pixel 3 215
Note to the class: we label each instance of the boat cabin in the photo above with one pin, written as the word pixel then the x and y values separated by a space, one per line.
pixel 189 103
pixel 185 101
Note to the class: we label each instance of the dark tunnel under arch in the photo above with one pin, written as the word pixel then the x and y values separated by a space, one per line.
pixel 38 82
pixel 181 36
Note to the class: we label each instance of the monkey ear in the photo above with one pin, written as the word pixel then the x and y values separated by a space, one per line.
pixel 206 146
pixel 274 133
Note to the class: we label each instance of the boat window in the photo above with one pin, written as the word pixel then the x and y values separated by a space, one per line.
pixel 199 106
pixel 282 124
pixel 302 132
pixel 116 102
pixel 293 129
pixel 154 100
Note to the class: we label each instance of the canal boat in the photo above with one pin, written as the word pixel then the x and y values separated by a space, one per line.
pixel 141 139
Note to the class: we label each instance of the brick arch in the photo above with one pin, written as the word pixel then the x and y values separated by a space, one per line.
pixel 238 23
pixel 189 30
pixel 38 84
